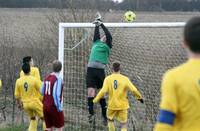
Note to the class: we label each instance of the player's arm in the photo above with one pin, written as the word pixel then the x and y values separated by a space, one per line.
pixel 18 95
pixel 57 94
pixel 102 92
pixel 168 105
pixel 96 33
pixel 17 91
pixel 42 88
pixel 38 85
pixel 37 73
pixel 134 90
pixel 108 35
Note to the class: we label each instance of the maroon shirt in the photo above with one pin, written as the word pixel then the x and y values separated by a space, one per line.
pixel 50 94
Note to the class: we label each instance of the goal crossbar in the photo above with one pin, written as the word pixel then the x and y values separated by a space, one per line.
pixel 110 25
pixel 126 25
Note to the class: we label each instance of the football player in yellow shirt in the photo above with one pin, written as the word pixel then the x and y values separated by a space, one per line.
pixel 180 90
pixel 117 86
pixel 26 94
pixel 34 72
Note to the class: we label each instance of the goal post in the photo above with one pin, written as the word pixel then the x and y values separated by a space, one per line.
pixel 62 27
pixel 145 50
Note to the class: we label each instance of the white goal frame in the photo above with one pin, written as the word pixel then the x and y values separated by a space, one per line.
pixel 62 27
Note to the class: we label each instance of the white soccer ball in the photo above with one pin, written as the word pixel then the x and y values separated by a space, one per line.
pixel 129 16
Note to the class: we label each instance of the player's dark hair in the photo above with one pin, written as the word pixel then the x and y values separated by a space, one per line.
pixel 26 68
pixel 192 34
pixel 57 66
pixel 116 66
pixel 27 59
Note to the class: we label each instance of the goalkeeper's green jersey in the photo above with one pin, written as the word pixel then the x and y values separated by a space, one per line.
pixel 100 52
pixel 180 98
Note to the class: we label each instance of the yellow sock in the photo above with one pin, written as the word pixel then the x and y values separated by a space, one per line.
pixel 124 129
pixel 44 126
pixel 111 126
pixel 33 125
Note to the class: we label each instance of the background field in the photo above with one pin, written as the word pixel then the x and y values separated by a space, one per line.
pixel 145 54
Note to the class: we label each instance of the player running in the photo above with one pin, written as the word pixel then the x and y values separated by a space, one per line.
pixel 180 90
pixel 117 86
pixel 26 94
pixel 97 61
pixel 53 99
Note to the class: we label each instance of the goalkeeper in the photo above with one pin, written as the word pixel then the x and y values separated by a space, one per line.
pixel 117 86
pixel 180 90
pixel 97 61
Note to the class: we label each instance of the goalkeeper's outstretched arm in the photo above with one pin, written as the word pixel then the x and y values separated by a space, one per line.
pixel 96 33
pixel 108 35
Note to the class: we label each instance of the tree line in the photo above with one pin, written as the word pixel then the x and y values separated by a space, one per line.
pixel 139 5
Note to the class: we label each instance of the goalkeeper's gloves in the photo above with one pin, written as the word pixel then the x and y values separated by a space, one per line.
pixel 98 20
pixel 141 100
pixel 98 16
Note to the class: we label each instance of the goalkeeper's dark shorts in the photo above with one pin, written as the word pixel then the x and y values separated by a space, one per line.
pixel 95 77
pixel 52 117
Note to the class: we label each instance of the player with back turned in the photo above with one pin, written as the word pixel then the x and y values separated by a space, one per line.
pixel 98 59
pixel 180 90
pixel 52 90
pixel 27 89
pixel 34 71
pixel 117 85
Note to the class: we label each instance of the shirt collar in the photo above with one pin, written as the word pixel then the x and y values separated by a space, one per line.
pixel 56 74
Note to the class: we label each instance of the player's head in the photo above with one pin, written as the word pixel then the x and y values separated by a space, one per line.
pixel 26 68
pixel 28 59
pixel 57 66
pixel 103 38
pixel 116 66
pixel 192 34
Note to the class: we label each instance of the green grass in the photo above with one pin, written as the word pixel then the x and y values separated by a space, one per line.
pixel 20 127
pixel 14 128
pixel 66 128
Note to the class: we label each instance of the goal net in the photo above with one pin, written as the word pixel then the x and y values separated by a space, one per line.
pixel 146 51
